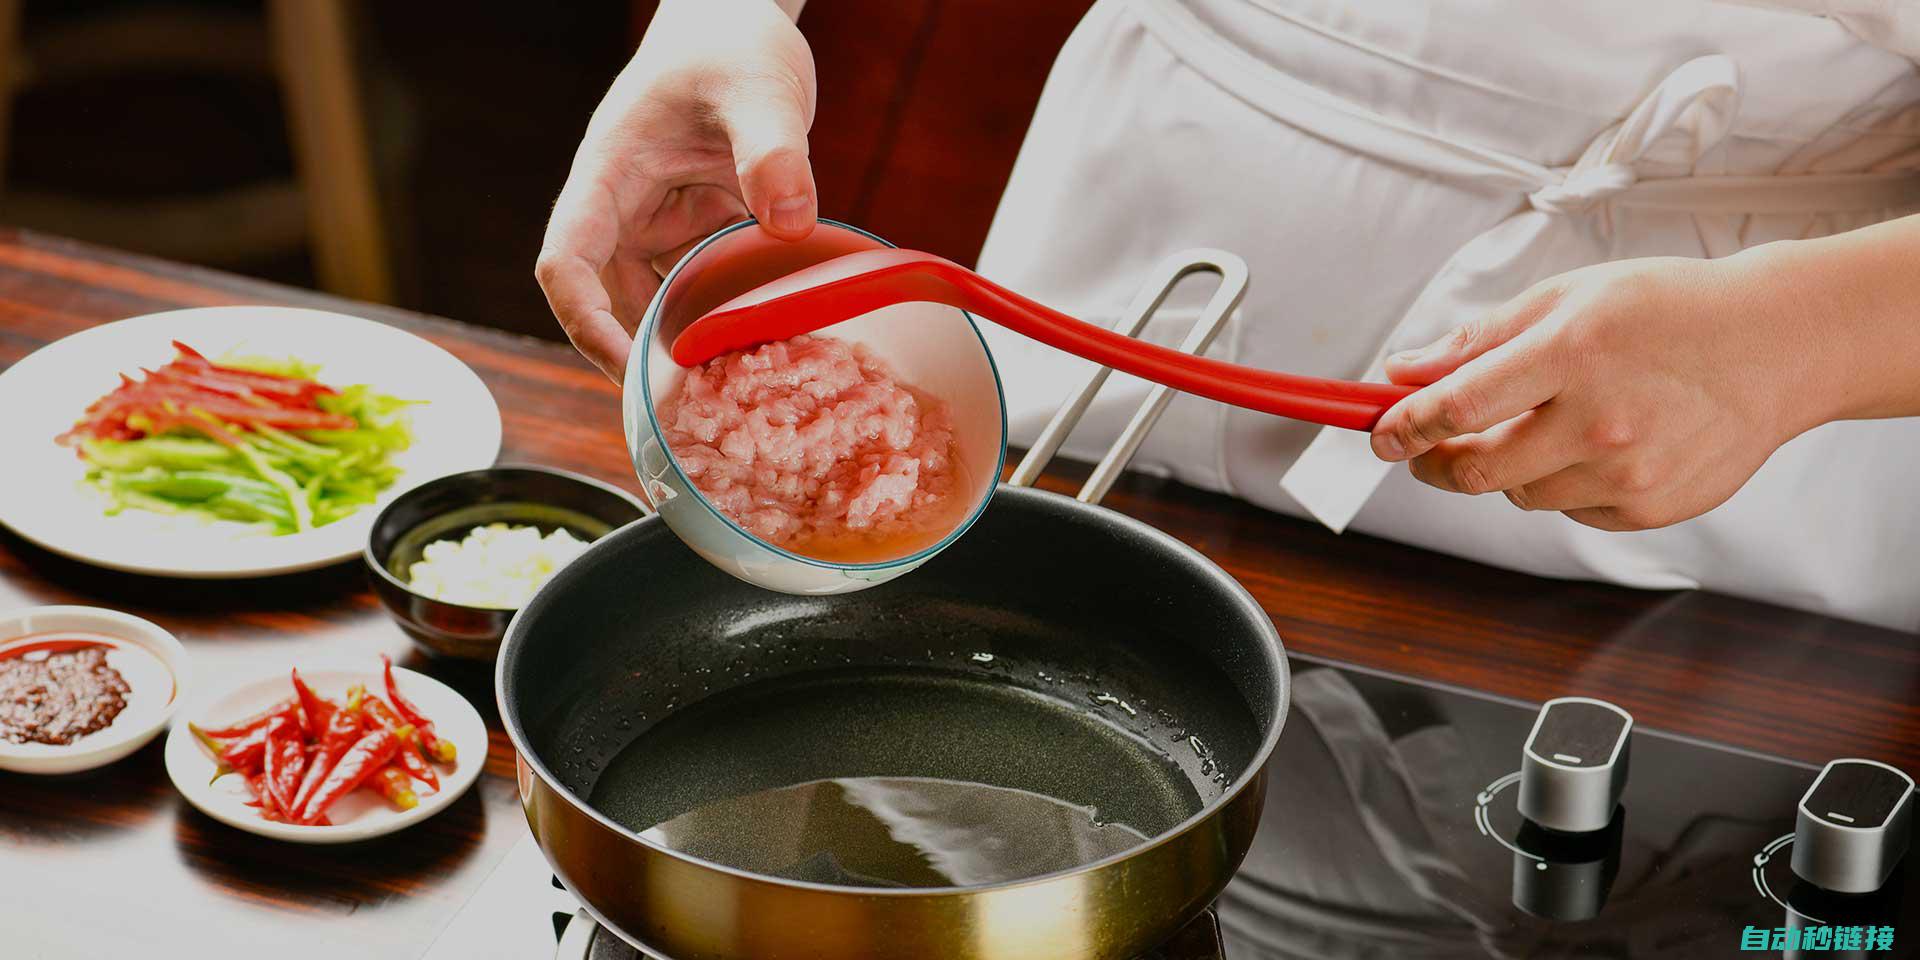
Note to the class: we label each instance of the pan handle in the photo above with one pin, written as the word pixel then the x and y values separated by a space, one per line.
pixel 1233 286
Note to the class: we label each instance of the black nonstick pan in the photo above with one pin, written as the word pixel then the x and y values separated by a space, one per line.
pixel 1048 742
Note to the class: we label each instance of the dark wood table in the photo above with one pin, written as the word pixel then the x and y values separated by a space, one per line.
pixel 115 863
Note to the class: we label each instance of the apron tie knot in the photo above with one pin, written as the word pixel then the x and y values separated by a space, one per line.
pixel 1669 133
pixel 1584 188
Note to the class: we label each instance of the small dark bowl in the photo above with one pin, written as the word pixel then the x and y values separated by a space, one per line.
pixel 450 507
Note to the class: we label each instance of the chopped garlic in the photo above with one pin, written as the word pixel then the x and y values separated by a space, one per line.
pixel 495 566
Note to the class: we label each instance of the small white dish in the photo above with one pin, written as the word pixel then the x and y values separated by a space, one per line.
pixel 361 814
pixel 145 714
pixel 455 428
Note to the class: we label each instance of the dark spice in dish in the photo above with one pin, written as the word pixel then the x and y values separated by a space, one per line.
pixel 56 696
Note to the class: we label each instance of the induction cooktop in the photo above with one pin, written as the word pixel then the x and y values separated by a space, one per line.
pixel 1410 820
pixel 1407 820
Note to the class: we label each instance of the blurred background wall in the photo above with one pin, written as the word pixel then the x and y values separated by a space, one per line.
pixel 408 152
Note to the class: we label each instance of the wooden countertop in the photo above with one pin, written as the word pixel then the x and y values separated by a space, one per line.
pixel 114 860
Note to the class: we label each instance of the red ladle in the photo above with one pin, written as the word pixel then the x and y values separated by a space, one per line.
pixel 857 283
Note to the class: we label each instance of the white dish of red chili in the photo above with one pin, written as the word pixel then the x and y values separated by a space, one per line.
pixel 81 687
pixel 344 760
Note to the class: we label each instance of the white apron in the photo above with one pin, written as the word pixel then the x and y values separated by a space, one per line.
pixel 1394 168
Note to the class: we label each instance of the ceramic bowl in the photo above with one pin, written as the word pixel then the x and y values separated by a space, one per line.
pixel 145 715
pixel 450 507
pixel 934 347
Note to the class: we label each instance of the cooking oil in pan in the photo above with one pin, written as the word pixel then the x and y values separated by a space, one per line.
pixel 895 831
pixel 893 778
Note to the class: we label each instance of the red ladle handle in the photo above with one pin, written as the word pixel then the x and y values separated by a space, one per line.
pixel 857 283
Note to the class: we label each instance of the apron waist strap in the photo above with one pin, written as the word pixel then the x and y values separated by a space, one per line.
pixel 1810 193
pixel 1625 163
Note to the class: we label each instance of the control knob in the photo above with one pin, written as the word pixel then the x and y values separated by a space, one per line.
pixel 1574 765
pixel 1852 826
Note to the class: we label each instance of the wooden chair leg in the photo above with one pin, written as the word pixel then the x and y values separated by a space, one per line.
pixel 10 74
pixel 331 152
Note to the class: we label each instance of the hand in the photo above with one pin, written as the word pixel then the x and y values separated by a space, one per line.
pixel 706 124
pixel 1628 395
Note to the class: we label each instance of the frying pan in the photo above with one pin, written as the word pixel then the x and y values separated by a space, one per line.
pixel 1054 599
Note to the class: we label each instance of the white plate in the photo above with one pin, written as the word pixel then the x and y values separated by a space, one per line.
pixel 47 502
pixel 139 723
pixel 362 813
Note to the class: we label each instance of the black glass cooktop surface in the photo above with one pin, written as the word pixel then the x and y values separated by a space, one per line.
pixel 1392 830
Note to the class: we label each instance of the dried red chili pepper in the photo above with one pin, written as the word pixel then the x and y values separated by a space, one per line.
pixel 435 747
pixel 409 741
pixel 256 722
pixel 257 787
pixel 343 728
pixel 263 798
pixel 314 709
pixel 285 761
pixel 245 754
pixel 394 784
pixel 367 755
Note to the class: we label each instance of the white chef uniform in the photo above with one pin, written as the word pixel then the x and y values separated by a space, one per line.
pixel 1390 169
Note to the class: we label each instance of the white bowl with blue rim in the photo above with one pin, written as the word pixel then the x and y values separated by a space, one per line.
pixel 936 348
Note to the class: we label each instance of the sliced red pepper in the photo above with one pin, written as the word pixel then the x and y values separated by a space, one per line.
pixel 176 374
pixel 193 393
pixel 285 761
pixel 362 760
pixel 435 747
pixel 213 380
pixel 105 415
pixel 221 381
pixel 216 380
pixel 255 378
pixel 161 423
pixel 282 417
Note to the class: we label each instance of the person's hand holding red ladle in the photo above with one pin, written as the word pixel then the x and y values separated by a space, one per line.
pixel 706 126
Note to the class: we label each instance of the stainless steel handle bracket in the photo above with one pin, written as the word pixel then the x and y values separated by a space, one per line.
pixel 1233 286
